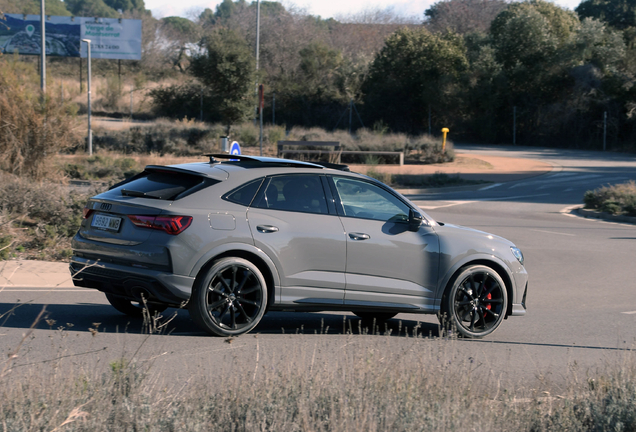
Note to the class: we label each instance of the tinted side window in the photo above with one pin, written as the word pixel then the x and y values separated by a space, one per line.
pixel 300 193
pixel 244 194
pixel 368 201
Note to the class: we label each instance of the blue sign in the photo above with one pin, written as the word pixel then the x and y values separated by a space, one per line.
pixel 235 149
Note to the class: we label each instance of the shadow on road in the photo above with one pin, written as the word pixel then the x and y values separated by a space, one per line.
pixel 83 317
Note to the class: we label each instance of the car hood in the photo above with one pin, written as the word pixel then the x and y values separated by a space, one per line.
pixel 470 233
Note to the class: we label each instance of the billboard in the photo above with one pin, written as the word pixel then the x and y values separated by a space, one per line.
pixel 111 38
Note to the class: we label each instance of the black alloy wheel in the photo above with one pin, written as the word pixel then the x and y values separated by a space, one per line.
pixel 231 299
pixel 476 303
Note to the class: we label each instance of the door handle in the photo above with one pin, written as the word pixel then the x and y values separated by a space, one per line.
pixel 359 236
pixel 267 228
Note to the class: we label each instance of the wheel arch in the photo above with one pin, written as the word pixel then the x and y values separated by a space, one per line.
pixel 498 267
pixel 264 264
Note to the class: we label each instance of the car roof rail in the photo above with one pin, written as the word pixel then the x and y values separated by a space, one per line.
pixel 273 161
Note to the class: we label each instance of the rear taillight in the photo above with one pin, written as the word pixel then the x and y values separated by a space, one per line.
pixel 171 224
pixel 86 212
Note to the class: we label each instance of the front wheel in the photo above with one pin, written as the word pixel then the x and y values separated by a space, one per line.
pixel 230 299
pixel 475 304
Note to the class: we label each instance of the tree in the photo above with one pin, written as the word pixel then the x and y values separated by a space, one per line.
pixel 91 8
pixel 228 70
pixel 415 69
pixel 52 7
pixel 462 16
pixel 620 14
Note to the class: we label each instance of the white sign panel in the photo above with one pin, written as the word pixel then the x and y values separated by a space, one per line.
pixel 111 39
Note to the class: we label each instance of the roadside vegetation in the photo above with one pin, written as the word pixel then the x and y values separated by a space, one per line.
pixel 468 65
pixel 617 199
pixel 376 381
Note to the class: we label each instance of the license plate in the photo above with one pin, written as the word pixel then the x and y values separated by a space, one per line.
pixel 106 222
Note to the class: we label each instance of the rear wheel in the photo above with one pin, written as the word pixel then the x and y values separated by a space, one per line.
pixel 475 304
pixel 230 299
pixel 378 316
pixel 133 308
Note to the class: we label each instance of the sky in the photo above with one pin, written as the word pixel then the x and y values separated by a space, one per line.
pixel 323 8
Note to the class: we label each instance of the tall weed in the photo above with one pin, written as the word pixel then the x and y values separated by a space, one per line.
pixel 31 130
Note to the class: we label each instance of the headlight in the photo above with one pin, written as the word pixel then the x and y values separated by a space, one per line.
pixel 517 253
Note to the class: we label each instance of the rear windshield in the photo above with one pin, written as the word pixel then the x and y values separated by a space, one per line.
pixel 163 185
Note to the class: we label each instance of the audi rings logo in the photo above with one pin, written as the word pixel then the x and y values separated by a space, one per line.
pixel 105 206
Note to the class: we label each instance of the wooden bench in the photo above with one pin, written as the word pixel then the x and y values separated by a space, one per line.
pixel 336 150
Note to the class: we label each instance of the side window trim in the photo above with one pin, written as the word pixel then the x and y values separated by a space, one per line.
pixel 267 181
pixel 228 194
pixel 338 200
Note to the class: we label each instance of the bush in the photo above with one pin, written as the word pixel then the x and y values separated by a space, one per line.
pixel 615 199
pixel 31 131
pixel 37 219
pixel 182 138
pixel 102 167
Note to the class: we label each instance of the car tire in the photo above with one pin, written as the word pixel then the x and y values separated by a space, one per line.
pixel 378 316
pixel 230 299
pixel 133 308
pixel 475 302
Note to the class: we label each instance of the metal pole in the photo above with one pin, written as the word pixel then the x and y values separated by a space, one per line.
pixel 514 126
pixel 88 81
pixel 43 54
pixel 258 40
pixel 119 83
pixel 604 130
pixel 131 104
pixel 350 113
pixel 80 75
pixel 260 140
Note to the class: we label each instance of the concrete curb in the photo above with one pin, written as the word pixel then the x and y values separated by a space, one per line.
pixel 589 213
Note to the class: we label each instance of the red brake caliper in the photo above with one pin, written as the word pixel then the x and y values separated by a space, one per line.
pixel 489 297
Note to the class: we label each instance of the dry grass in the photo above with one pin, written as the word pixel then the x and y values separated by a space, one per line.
pixel 326 382
pixel 37 219
pixel 614 199
pixel 30 129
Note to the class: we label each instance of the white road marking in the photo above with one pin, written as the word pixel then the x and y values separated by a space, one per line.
pixel 553 232
pixel 551 181
pixel 511 197
pixel 491 186
pixel 629 313
pixel 426 205
pixel 433 207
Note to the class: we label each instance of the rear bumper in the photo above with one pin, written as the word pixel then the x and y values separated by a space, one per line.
pixel 130 282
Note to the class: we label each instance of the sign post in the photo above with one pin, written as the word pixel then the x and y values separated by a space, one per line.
pixel 444 131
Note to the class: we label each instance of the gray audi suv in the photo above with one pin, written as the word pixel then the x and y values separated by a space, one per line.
pixel 237 236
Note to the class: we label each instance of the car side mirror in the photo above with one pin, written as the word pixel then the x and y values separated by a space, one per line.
pixel 415 220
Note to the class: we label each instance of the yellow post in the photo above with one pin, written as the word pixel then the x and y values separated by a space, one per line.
pixel 444 131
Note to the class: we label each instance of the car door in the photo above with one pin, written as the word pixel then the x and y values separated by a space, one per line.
pixel 387 264
pixel 291 221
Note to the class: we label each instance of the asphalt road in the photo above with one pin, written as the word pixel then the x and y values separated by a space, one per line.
pixel 581 300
